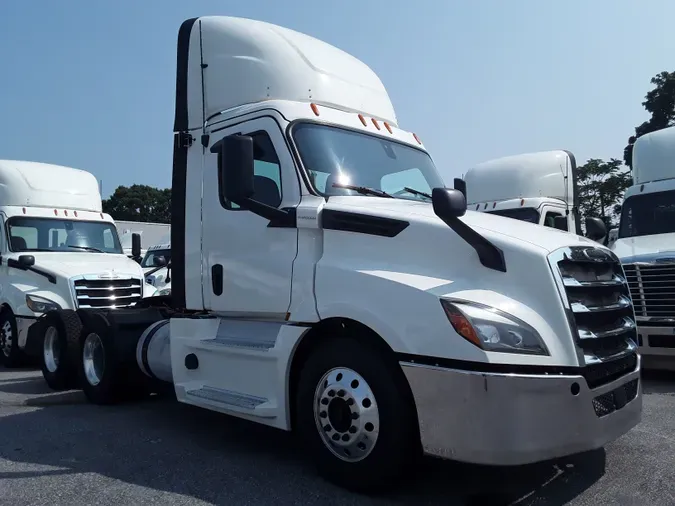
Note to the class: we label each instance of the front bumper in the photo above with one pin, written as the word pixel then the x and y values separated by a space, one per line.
pixel 513 419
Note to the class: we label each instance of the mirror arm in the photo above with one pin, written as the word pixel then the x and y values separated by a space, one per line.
pixel 489 255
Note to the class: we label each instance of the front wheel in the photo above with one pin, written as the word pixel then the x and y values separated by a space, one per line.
pixel 355 416
pixel 10 353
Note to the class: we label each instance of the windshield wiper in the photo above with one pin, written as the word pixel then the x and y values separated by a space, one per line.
pixel 87 248
pixel 416 192
pixel 363 190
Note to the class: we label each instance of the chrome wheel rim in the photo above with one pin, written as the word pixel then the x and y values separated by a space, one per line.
pixel 6 338
pixel 51 350
pixel 346 414
pixel 93 359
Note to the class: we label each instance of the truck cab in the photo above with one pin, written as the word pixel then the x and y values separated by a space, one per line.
pixel 156 266
pixel 58 249
pixel 646 245
pixel 323 280
pixel 539 188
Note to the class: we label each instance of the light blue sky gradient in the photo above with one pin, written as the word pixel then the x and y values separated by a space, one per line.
pixel 91 84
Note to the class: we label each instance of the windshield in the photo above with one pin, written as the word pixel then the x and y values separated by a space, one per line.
pixel 52 234
pixel 336 155
pixel 648 214
pixel 520 213
pixel 151 257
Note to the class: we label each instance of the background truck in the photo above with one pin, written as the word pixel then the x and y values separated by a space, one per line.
pixel 151 233
pixel 156 265
pixel 59 251
pixel 307 297
pixel 646 245
pixel 534 187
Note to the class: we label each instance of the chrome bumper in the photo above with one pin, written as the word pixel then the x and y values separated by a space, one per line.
pixel 652 340
pixel 512 419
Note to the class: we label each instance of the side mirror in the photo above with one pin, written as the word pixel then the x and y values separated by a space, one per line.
pixel 26 260
pixel 159 261
pixel 560 222
pixel 460 185
pixel 135 245
pixel 167 278
pixel 448 203
pixel 595 228
pixel 235 168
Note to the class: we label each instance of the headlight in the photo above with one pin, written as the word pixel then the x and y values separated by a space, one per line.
pixel 164 291
pixel 39 304
pixel 493 330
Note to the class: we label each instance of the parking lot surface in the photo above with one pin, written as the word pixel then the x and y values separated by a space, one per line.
pixel 56 449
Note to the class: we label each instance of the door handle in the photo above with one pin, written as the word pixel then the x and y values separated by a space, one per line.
pixel 217 279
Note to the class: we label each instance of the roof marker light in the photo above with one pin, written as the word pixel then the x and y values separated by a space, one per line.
pixel 363 120
pixel 494 204
pixel 75 214
pixel 522 202
pixel 418 140
pixel 24 210
pixel 56 213
pixel 386 125
pixel 377 125
pixel 477 207
pixel 101 215
pixel 315 109
pixel 65 212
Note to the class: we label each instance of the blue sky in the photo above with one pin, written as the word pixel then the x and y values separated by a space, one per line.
pixel 91 84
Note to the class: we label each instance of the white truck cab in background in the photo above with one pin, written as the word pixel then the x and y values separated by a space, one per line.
pixel 156 266
pixel 151 233
pixel 324 280
pixel 535 187
pixel 646 245
pixel 59 251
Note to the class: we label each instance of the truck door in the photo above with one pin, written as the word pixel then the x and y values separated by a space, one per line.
pixel 247 266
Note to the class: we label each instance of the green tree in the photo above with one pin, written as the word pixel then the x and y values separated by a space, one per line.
pixel 139 203
pixel 601 187
pixel 660 104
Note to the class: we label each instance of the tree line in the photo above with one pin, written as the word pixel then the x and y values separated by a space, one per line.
pixel 601 183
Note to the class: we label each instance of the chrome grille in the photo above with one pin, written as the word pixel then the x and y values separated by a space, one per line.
pixel 600 311
pixel 652 287
pixel 107 293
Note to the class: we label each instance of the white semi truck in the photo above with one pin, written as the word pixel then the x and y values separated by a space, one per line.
pixel 58 251
pixel 151 233
pixel 156 266
pixel 538 187
pixel 306 297
pixel 646 245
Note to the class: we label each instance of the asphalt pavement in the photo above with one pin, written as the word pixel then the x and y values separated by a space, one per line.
pixel 55 449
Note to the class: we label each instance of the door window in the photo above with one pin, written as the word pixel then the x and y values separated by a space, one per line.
pixel 550 221
pixel 267 173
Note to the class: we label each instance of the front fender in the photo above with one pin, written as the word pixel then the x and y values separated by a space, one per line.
pixel 403 309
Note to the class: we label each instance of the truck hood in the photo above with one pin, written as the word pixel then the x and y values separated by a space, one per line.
pixel 549 239
pixel 74 264
pixel 645 248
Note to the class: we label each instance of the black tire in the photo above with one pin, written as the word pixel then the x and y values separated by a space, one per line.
pixel 68 327
pixel 396 445
pixel 11 356
pixel 119 377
